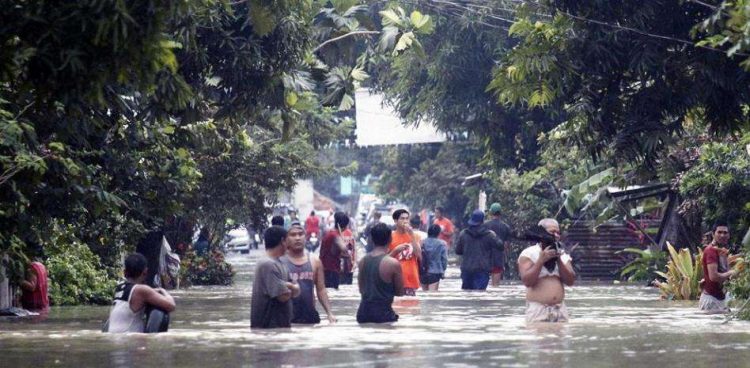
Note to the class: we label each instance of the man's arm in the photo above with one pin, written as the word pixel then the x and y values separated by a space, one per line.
pixel 361 277
pixel 444 257
pixel 396 250
pixel 567 274
pixel 158 298
pixel 274 284
pixel 397 278
pixel 320 289
pixel 716 276
pixel 416 246
pixel 339 241
pixel 459 246
pixel 30 283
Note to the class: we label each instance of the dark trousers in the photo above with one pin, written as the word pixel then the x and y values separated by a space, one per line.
pixel 475 280
pixel 331 279
pixel 375 312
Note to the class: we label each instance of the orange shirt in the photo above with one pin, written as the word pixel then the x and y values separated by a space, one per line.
pixel 409 267
pixel 446 226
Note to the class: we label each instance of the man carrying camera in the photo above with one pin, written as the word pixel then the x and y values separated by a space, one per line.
pixel 545 268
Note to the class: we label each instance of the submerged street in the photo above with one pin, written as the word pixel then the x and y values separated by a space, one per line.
pixel 610 326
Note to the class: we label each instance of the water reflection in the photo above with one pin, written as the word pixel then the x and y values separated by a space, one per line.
pixel 610 326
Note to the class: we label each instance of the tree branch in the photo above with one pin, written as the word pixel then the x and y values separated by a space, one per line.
pixel 353 33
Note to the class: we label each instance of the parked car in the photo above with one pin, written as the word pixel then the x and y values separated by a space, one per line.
pixel 241 240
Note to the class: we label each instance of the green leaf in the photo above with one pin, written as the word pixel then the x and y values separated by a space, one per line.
pixel 404 42
pixel 261 18
pixel 291 99
pixel 390 18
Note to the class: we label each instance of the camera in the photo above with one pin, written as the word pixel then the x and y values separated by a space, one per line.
pixel 540 235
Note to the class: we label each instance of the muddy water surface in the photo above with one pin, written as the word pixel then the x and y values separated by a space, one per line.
pixel 612 326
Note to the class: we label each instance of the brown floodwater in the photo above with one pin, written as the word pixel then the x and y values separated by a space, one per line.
pixel 611 326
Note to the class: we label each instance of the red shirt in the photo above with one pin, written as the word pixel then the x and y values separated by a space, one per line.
pixel 713 288
pixel 37 299
pixel 312 225
pixel 330 254
pixel 446 226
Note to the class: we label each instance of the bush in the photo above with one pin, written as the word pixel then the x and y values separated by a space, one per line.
pixel 210 269
pixel 644 266
pixel 682 276
pixel 76 275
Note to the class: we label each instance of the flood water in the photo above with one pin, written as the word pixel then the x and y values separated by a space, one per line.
pixel 611 326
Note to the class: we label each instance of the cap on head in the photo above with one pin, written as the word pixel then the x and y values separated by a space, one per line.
pixel 495 208
pixel 477 218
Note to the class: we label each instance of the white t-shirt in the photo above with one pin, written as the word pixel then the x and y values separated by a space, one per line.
pixel 533 252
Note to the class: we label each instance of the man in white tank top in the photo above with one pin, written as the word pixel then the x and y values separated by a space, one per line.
pixel 545 291
pixel 132 296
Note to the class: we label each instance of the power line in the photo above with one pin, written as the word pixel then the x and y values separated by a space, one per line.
pixel 603 23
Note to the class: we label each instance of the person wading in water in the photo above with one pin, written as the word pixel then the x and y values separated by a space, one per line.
pixel 132 297
pixel 379 280
pixel 307 272
pixel 405 247
pixel 545 269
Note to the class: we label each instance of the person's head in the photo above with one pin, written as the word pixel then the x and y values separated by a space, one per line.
pixel 401 218
pixel 433 231
pixel 376 216
pixel 203 235
pixel 439 211
pixel 721 233
pixel 495 209
pixel 551 226
pixel 295 237
pixel 381 235
pixel 277 220
pixel 136 267
pixel 477 218
pixel 341 220
pixel 312 213
pixel 274 238
pixel 708 237
pixel 292 213
pixel 415 222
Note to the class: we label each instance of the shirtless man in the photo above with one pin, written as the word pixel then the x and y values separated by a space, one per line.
pixel 545 289
pixel 132 296
pixel 307 272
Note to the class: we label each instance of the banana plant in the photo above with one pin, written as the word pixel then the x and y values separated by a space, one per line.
pixel 644 266
pixel 683 274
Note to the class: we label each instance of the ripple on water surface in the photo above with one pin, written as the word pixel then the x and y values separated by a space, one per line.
pixel 611 326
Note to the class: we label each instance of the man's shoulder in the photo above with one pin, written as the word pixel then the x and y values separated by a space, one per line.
pixel 529 251
pixel 267 263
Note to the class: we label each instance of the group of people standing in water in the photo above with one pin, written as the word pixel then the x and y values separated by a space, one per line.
pixel 399 260
pixel 289 280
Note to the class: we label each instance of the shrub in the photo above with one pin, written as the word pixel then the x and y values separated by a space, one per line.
pixel 645 266
pixel 682 276
pixel 76 275
pixel 210 269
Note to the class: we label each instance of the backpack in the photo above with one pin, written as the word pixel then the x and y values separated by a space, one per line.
pixel 424 264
